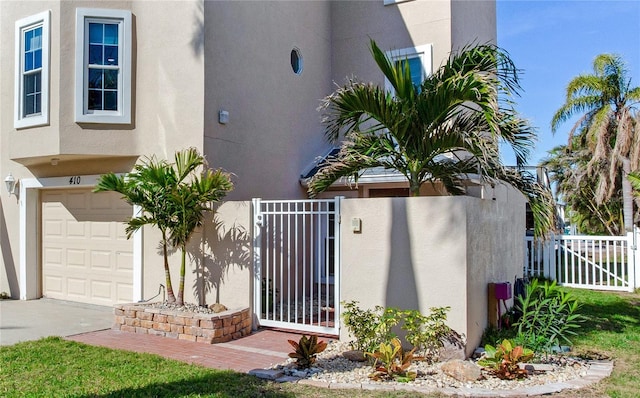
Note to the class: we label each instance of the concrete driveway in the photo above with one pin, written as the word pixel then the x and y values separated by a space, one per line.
pixel 34 319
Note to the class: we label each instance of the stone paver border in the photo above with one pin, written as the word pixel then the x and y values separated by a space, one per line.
pixel 206 328
pixel 597 371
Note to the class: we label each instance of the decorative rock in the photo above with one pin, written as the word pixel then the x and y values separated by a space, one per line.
pixel 267 374
pixel 287 379
pixel 538 367
pixel 451 351
pixel 478 352
pixel 462 370
pixel 217 307
pixel 354 355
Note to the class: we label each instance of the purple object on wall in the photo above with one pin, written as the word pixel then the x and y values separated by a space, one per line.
pixel 503 291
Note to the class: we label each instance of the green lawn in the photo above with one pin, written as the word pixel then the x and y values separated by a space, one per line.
pixel 54 367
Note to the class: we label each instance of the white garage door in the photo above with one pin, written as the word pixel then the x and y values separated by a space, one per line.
pixel 86 256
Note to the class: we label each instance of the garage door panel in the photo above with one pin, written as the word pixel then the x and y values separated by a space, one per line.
pixel 76 201
pixel 121 233
pixel 101 260
pixel 76 287
pixel 101 289
pixel 76 229
pixel 52 228
pixel 54 284
pixel 123 291
pixel 53 255
pixel 86 256
pixel 101 230
pixel 76 258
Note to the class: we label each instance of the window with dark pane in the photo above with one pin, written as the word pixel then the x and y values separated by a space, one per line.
pixel 103 67
pixel 32 72
pixel 415 68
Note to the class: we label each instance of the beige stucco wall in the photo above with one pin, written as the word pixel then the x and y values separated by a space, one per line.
pixel 218 267
pixel 410 254
pixel 496 253
pixel 393 26
pixel 417 253
pixel 273 130
pixel 473 22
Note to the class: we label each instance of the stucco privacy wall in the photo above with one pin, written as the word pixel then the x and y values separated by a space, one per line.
pixel 417 253
pixel 495 251
pixel 218 263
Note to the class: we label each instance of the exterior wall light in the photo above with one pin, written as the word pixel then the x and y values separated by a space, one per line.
pixel 10 182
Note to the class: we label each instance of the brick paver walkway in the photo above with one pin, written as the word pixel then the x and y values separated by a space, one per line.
pixel 259 350
pixel 269 347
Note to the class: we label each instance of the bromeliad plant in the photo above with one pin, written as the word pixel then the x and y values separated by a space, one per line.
pixel 504 360
pixel 306 350
pixel 391 361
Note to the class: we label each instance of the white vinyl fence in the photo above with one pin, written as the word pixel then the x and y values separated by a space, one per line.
pixel 591 262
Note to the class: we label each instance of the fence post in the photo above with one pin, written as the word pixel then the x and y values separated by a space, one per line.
pixel 632 262
pixel 553 256
pixel 256 219
pixel 634 269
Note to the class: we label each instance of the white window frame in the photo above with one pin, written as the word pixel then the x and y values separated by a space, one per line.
pixel 123 19
pixel 424 52
pixel 43 20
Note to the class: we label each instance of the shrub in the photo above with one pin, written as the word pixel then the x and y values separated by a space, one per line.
pixel 428 333
pixel 369 327
pixel 549 316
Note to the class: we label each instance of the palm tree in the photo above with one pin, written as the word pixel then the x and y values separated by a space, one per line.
pixel 567 170
pixel 190 200
pixel 173 197
pixel 607 127
pixel 147 186
pixel 439 133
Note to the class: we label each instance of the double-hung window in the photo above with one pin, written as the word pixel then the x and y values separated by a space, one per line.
pixel 103 66
pixel 32 71
pixel 418 59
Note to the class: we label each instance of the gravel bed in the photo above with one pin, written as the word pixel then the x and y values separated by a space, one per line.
pixel 332 367
pixel 187 307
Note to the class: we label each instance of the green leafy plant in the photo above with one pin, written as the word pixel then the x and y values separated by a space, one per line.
pixel 369 327
pixel 504 360
pixel 391 361
pixel 306 350
pixel 174 197
pixel 549 316
pixel 427 333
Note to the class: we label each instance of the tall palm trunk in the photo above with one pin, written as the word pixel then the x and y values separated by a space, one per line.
pixel 167 275
pixel 180 300
pixel 627 195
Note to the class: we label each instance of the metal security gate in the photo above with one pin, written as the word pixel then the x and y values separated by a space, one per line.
pixel 297 264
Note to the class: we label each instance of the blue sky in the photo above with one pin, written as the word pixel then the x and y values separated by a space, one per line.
pixel 554 41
